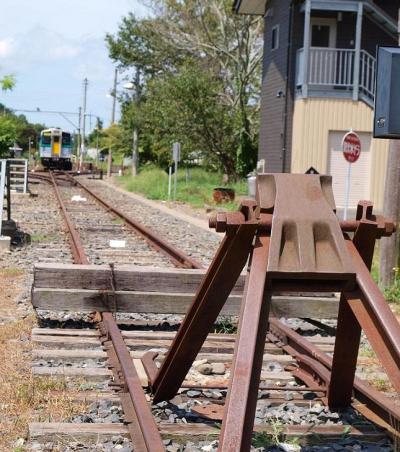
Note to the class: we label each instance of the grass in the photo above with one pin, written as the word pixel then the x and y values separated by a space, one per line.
pixel 194 186
pixel 118 220
pixel 264 439
pixel 11 272
pixel 381 384
pixel 42 237
pixel 23 397
pixel 225 326
pixel 392 294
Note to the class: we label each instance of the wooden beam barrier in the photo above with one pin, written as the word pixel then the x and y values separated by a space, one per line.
pixel 84 288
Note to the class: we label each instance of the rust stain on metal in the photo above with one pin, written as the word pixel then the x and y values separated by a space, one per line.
pixel 295 243
pixel 141 424
pixel 299 244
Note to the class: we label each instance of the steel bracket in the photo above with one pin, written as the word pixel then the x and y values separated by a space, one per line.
pixel 292 241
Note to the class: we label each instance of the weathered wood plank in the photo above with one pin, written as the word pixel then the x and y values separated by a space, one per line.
pixel 71 354
pixel 65 332
pixel 89 343
pixel 127 278
pixel 96 374
pixel 209 346
pixel 154 334
pixel 80 354
pixel 171 303
pixel 308 433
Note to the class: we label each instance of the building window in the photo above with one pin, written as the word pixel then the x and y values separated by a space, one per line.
pixel 275 37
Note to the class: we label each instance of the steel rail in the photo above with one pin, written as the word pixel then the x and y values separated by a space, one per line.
pixel 376 404
pixel 178 257
pixel 373 399
pixel 147 437
pixel 75 241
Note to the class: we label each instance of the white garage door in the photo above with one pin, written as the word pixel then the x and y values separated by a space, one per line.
pixel 360 170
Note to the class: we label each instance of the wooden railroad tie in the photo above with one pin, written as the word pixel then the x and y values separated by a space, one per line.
pixel 292 242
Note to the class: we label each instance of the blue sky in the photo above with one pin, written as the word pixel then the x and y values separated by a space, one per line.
pixel 51 46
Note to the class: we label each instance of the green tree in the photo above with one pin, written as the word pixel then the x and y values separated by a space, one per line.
pixel 186 108
pixel 8 83
pixel 112 139
pixel 207 37
pixel 8 134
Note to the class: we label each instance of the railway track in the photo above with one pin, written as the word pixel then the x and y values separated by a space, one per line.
pixel 188 421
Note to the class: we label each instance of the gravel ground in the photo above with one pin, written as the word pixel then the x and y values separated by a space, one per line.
pixel 192 240
pixel 39 217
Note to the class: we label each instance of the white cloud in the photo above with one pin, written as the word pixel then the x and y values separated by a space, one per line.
pixel 6 47
pixel 63 51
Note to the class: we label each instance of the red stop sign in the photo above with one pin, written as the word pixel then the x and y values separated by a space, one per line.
pixel 351 146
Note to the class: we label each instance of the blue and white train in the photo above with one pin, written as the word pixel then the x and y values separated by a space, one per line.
pixel 56 149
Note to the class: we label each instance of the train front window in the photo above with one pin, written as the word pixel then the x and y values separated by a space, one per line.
pixel 56 139
pixel 46 139
pixel 66 138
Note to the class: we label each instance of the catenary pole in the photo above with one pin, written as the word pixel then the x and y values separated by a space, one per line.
pixel 135 146
pixel 85 87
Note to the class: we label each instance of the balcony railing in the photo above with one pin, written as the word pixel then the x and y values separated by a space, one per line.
pixel 332 72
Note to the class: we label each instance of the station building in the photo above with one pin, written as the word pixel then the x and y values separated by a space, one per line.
pixel 318 82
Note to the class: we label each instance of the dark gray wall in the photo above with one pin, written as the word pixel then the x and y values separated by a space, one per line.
pixel 374 35
pixel 275 69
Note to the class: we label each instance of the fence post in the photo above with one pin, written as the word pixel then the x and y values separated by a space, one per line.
pixel 3 165
pixel 26 177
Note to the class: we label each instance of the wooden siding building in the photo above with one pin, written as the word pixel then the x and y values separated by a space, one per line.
pixel 319 83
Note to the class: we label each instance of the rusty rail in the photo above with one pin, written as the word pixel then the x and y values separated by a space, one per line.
pixel 76 245
pixel 314 365
pixel 307 250
pixel 141 424
pixel 178 257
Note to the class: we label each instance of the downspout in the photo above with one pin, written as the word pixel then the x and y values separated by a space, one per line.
pixel 287 87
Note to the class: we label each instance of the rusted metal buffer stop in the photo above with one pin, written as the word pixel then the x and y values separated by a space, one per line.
pixel 292 241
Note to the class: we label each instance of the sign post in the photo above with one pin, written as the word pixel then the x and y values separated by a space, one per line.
pixel 351 146
pixel 169 181
pixel 176 155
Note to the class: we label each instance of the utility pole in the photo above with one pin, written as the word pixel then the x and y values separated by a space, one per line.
pixel 109 162
pixel 85 87
pixel 78 141
pixel 135 149
pixel 389 251
pixel 114 96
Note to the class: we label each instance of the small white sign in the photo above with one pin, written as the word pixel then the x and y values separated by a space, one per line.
pixel 117 243
pixel 78 198
pixel 176 152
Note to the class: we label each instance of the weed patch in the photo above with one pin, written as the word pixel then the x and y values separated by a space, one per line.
pixel 194 186
pixel 23 397
pixel 275 438
pixel 42 238
pixel 392 294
